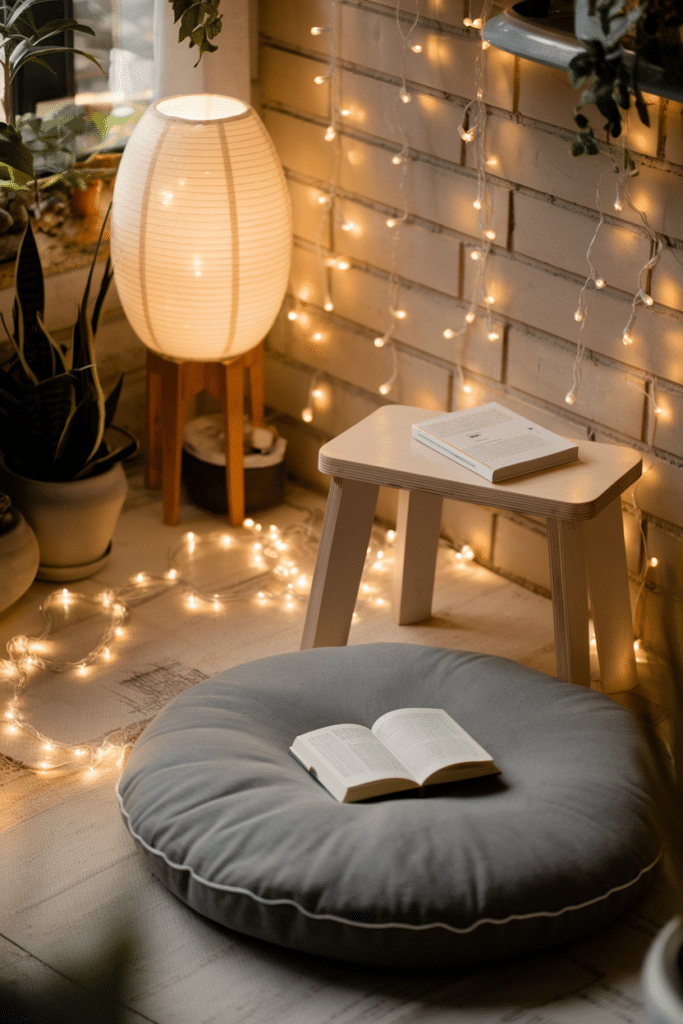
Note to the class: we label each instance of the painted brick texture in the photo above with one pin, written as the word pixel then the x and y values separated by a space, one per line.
pixel 555 226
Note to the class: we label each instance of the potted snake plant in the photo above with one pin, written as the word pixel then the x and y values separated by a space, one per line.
pixel 58 461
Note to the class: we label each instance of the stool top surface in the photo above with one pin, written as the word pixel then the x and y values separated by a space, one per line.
pixel 381 450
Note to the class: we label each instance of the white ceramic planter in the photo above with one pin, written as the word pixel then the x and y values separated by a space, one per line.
pixel 19 557
pixel 662 985
pixel 73 520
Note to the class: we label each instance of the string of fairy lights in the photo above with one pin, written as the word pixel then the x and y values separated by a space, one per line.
pixel 481 298
pixel 275 577
pixel 266 568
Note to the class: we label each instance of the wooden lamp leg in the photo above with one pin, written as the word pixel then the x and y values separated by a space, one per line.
pixel 153 468
pixel 256 391
pixel 170 385
pixel 233 425
pixel 172 421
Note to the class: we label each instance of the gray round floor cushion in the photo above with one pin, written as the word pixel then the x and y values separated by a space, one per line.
pixel 558 845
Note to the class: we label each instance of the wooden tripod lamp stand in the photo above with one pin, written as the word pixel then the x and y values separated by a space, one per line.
pixel 170 386
pixel 201 241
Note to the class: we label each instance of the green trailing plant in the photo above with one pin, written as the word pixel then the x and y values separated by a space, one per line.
pixel 200 22
pixel 53 411
pixel 610 72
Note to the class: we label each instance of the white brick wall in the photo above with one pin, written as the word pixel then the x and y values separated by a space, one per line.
pixel 545 208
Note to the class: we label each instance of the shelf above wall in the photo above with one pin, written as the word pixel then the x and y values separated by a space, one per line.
pixel 537 39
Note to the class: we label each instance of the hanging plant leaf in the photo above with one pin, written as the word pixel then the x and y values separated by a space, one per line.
pixel 199 22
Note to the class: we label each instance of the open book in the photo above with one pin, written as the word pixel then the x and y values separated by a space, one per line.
pixel 404 749
pixel 495 442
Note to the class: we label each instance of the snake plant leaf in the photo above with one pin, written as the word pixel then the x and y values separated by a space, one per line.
pixel 83 347
pixel 35 348
pixel 110 453
pixel 111 402
pixel 107 277
pixel 15 156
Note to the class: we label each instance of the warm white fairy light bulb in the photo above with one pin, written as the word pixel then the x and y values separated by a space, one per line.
pixel 416 48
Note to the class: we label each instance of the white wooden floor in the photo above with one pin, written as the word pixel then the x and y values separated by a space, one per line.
pixel 71 875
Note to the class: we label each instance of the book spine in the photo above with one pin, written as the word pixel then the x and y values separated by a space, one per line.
pixel 457 456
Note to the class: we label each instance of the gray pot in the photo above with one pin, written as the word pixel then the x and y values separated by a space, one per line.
pixel 73 520
pixel 19 554
pixel 662 983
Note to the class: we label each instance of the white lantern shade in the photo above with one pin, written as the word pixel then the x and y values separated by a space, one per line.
pixel 201 230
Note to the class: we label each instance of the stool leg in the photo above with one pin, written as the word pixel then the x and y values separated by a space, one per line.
pixel 233 423
pixel 172 409
pixel 570 600
pixel 610 600
pixel 417 544
pixel 349 515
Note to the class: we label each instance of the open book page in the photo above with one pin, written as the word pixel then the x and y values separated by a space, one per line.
pixel 348 756
pixel 427 740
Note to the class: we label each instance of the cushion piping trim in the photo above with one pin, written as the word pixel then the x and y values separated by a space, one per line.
pixel 239 891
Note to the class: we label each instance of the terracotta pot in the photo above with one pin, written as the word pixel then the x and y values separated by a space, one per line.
pixel 19 554
pixel 86 201
pixel 662 982
pixel 73 520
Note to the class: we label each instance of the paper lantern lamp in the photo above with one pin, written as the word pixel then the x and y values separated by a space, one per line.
pixel 201 242
pixel 201 228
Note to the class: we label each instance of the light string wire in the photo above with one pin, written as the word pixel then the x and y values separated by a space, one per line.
pixel 396 222
pixel 472 128
pixel 274 575
pixel 330 214
pixel 641 296
pixel 581 312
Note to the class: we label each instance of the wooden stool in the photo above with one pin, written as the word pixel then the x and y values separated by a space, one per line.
pixel 170 385
pixel 580 501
